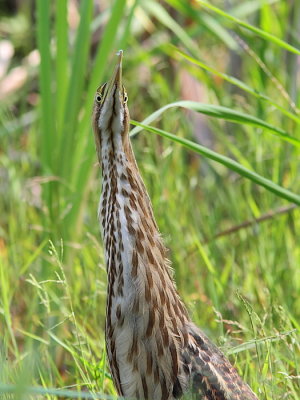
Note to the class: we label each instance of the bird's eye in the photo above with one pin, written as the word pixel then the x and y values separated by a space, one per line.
pixel 125 98
pixel 98 97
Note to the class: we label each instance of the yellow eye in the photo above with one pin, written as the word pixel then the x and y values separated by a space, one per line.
pixel 99 94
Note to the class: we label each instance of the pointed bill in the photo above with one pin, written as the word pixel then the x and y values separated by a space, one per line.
pixel 116 79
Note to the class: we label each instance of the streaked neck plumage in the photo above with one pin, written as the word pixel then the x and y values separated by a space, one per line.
pixel 140 286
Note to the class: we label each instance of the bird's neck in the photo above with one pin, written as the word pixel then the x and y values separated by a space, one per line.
pixel 125 209
pixel 134 250
pixel 145 317
pixel 122 186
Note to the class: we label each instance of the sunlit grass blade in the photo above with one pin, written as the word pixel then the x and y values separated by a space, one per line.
pixel 236 82
pixel 263 34
pixel 223 113
pixel 227 162
pixel 262 341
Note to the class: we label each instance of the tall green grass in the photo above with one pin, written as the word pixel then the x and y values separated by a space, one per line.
pixel 241 285
pixel 65 124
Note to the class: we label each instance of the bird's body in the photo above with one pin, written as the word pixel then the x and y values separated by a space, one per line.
pixel 154 350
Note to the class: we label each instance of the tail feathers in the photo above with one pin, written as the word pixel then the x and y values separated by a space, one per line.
pixel 212 377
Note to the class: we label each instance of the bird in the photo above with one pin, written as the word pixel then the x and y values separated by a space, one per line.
pixel 154 350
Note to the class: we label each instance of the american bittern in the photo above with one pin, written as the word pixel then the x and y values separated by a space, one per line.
pixel 154 350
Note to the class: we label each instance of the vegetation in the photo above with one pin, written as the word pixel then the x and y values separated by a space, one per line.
pixel 221 87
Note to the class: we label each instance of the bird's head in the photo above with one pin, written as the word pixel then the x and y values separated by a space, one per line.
pixel 110 114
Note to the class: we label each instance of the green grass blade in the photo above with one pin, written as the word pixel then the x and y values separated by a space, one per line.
pixel 47 126
pixel 263 34
pixel 236 82
pixel 61 59
pixel 74 97
pixel 227 162
pixel 84 154
pixel 262 341
pixel 224 113
pixel 205 21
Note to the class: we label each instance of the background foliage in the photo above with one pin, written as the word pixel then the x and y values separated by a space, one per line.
pixel 226 201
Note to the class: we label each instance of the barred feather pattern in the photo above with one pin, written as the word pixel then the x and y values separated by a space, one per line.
pixel 154 350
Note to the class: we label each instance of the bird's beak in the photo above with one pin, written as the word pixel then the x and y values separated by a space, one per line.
pixel 116 79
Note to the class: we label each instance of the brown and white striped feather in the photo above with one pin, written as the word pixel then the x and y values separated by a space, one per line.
pixel 154 350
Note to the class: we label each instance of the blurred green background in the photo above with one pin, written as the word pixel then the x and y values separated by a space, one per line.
pixel 232 226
